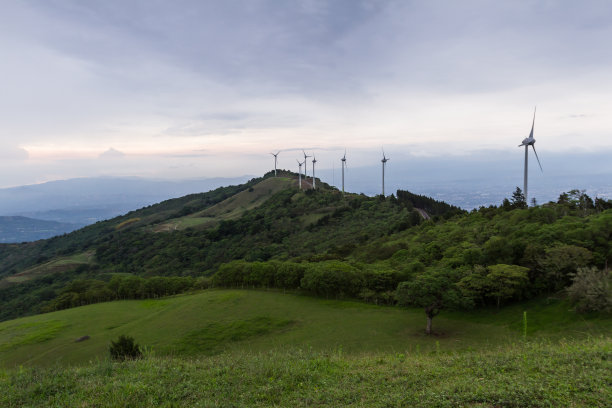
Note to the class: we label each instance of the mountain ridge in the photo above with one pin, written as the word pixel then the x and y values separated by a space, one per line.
pixel 269 223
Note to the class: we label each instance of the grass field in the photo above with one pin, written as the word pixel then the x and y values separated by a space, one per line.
pixel 526 374
pixel 229 321
pixel 231 348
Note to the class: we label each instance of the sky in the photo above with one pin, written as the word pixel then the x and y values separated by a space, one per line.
pixel 187 89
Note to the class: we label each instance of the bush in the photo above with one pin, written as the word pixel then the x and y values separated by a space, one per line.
pixel 591 290
pixel 124 348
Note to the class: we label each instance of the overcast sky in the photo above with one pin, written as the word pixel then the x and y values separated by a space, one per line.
pixel 180 89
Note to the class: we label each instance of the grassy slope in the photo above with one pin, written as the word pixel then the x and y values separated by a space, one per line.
pixel 17 257
pixel 532 374
pixel 232 321
pixel 230 208
pixel 57 265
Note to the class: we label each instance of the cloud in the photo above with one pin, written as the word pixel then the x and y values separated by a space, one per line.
pixel 249 77
pixel 112 154
pixel 13 153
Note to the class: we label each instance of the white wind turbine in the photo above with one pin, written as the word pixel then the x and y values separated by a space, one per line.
pixel 314 160
pixel 305 166
pixel 530 141
pixel 343 160
pixel 384 163
pixel 275 158
pixel 300 173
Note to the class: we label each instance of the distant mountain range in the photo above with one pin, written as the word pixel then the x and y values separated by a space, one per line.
pixel 83 201
pixel 22 229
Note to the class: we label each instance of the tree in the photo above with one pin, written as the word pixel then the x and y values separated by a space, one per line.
pixel 332 278
pixel 434 291
pixel 562 261
pixel 505 281
pixel 591 290
pixel 518 199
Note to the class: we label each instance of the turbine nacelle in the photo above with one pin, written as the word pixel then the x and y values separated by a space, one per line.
pixel 528 141
pixel 384 159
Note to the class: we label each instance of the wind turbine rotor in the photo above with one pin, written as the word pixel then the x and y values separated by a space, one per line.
pixel 536 155
pixel 275 160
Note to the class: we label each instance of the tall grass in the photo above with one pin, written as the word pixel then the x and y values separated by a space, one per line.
pixel 525 374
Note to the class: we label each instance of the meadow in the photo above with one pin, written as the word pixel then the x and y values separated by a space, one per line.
pixel 216 321
pixel 266 348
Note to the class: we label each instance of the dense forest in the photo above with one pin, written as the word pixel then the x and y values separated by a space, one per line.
pixel 322 242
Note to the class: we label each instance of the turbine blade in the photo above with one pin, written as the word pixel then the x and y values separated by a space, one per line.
pixel 536 153
pixel 533 123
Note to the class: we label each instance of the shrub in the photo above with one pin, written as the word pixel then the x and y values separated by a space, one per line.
pixel 591 290
pixel 124 348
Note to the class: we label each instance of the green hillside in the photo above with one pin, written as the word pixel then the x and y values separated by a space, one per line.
pixel 256 348
pixel 262 294
pixel 269 234
pixel 235 321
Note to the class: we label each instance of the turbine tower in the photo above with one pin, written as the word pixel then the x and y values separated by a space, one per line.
pixel 343 160
pixel 305 166
pixel 530 141
pixel 384 163
pixel 299 173
pixel 314 160
pixel 275 158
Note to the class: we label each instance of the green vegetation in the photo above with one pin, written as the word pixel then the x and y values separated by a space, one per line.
pixel 17 334
pixel 268 234
pixel 504 282
pixel 212 338
pixel 125 348
pixel 591 290
pixel 525 374
pixel 234 321
pixel 61 264
pixel 434 292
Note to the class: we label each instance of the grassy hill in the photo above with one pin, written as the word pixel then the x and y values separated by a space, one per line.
pixel 231 208
pixel 235 321
pixel 256 348
pixel 237 347
pixel 384 241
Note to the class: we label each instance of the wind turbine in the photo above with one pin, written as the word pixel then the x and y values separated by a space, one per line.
pixel 299 173
pixel 305 167
pixel 384 163
pixel 275 158
pixel 530 141
pixel 343 160
pixel 314 160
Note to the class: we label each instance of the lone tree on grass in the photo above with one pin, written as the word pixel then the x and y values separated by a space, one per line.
pixel 125 348
pixel 434 291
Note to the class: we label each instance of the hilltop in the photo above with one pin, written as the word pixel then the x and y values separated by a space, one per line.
pixel 183 236
pixel 268 233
